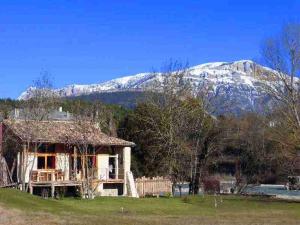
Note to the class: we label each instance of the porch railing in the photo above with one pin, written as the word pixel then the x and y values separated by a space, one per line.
pixel 47 175
pixel 104 174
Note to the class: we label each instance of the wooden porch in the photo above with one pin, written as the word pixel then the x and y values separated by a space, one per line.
pixel 58 176
pixel 68 183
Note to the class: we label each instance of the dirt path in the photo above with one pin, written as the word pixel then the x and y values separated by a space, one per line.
pixel 16 217
pixel 10 216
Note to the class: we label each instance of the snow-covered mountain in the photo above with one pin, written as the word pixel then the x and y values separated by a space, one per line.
pixel 238 82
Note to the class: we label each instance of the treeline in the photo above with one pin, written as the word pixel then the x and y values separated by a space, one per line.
pixel 178 138
pixel 190 150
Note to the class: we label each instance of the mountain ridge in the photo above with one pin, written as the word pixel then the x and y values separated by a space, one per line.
pixel 131 81
pixel 239 81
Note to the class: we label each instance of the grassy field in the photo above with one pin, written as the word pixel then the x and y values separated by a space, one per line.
pixel 21 208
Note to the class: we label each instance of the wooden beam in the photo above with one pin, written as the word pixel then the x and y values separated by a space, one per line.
pixel 23 167
pixel 75 163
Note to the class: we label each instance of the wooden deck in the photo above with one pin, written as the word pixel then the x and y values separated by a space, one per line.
pixel 56 183
pixel 72 182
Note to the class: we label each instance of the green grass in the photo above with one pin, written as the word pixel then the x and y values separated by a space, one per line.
pixel 120 210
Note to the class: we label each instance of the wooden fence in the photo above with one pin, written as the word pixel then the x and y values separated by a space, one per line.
pixel 153 186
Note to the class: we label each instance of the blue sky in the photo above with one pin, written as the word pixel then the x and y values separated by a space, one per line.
pixel 90 41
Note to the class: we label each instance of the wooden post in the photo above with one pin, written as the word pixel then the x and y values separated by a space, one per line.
pixel 30 189
pixel 23 167
pixel 52 190
pixel 52 176
pixel 107 174
pixel 75 163
pixel 117 166
pixel 81 190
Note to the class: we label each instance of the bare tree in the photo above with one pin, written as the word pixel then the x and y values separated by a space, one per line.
pixel 83 151
pixel 89 119
pixel 41 104
pixel 282 53
pixel 42 100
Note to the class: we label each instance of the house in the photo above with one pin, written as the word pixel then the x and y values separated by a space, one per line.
pixel 52 155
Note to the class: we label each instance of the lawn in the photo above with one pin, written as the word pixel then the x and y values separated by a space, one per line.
pixel 21 208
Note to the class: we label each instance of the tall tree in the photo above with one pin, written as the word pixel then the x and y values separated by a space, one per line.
pixel 172 129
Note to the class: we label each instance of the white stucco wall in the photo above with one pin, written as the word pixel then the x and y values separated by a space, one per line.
pixel 102 165
pixel 126 159
pixel 63 163
pixel 30 161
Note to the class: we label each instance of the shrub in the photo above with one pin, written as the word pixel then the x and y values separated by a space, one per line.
pixel 211 185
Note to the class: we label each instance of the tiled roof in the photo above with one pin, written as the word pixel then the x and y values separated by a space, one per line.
pixel 70 132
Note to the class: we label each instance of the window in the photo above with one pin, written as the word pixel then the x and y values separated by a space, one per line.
pixel 46 162
pixel 78 163
pixel 50 162
pixel 91 162
pixel 112 167
pixel 41 164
